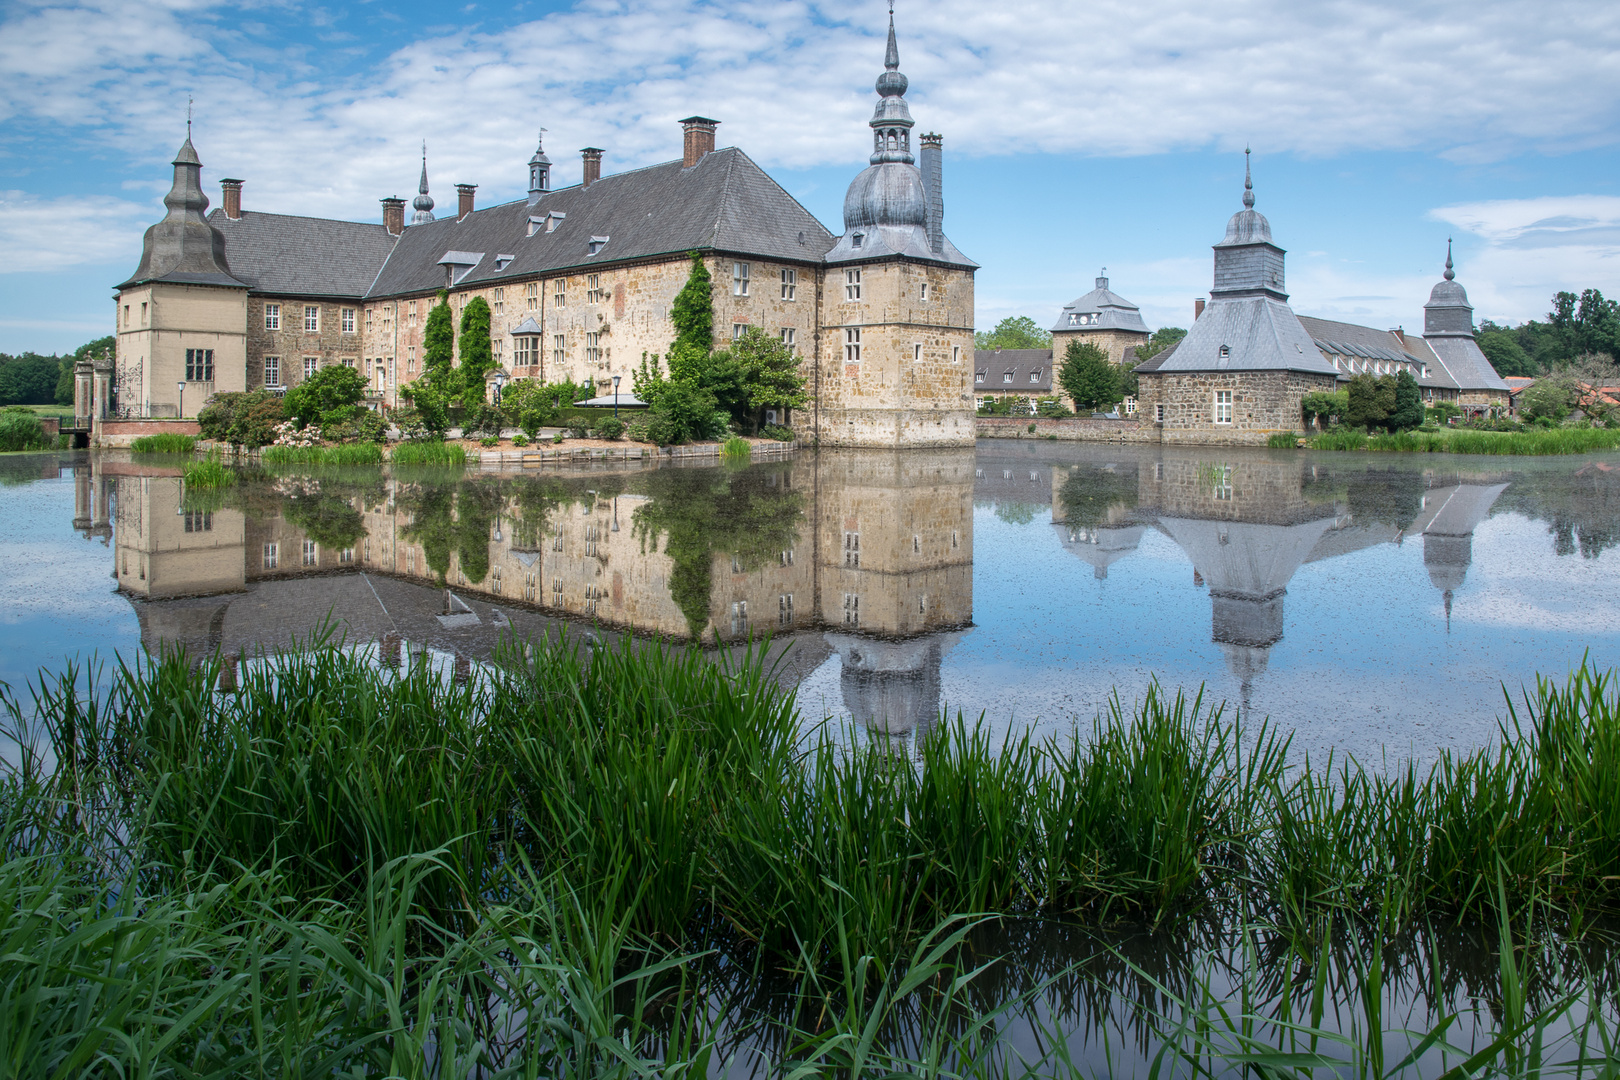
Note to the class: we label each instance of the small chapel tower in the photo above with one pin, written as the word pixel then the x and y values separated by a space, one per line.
pixel 896 341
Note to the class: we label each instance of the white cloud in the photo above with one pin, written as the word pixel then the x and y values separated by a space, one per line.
pixel 1533 248
pixel 54 234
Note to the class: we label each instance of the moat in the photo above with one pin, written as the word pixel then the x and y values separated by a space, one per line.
pixel 1370 604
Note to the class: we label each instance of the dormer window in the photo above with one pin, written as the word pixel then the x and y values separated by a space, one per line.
pixel 856 240
pixel 598 243
pixel 535 224
pixel 1035 376
pixel 1006 376
pixel 1074 318
pixel 978 376
pixel 554 219
pixel 502 262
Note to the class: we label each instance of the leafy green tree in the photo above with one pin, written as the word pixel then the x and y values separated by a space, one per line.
pixel 1370 402
pixel 1547 397
pixel 1501 347
pixel 1408 411
pixel 1325 404
pixel 767 373
pixel 438 343
pixel 29 379
pixel 65 377
pixel 1160 340
pixel 330 396
pixel 477 357
pixel 1087 377
pixel 684 412
pixel 1014 332
pixel 1586 324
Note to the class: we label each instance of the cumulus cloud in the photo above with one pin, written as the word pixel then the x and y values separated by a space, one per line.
pixel 53 234
pixel 1533 247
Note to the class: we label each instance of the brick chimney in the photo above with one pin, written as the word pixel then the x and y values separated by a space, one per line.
pixel 1198 308
pixel 394 216
pixel 464 194
pixel 1400 334
pixel 593 164
pixel 233 198
pixel 699 140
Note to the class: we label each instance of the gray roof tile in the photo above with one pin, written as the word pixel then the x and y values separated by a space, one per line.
pixel 1260 333
pixel 282 254
pixel 996 364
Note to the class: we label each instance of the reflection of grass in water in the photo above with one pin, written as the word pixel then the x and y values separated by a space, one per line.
pixel 1464 441
pixel 1093 496
pixel 401 861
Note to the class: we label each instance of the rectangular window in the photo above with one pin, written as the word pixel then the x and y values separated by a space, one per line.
pixel 923 291
pixel 1035 376
pixel 738 329
pixel 312 318
pixel 126 314
pixel 739 279
pixel 739 618
pixel 143 313
pixel 500 301
pixel 347 361
pixel 410 360
pixel 347 556
pixel 852 609
pixel 311 553
pixel 410 314
pixel 852 550
pixel 199 365
pixel 531 296
pixel 369 322
pixel 559 350
pixel 784 610
pixel 346 320
pixel 199 522
pixel 272 316
pixel 1223 406
pixel 593 289
pixel 312 364
pixel 852 284
pixel 1158 413
pixel 852 345
pixel 956 354
pixel 272 555
pixel 559 293
pixel 390 363
pixel 272 371
pixel 790 284
pixel 790 338
pixel 978 376
pixel 593 348
pixel 916 350
pixel 523 350
pixel 1006 376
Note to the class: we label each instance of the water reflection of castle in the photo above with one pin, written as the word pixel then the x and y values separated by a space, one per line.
pixel 865 555
pixel 1248 523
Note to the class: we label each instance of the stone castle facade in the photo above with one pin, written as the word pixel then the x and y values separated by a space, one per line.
pixel 580 281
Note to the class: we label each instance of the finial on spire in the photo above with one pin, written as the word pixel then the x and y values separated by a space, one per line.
pixel 891 57
pixel 423 203
pixel 189 101
pixel 1248 182
pixel 1450 273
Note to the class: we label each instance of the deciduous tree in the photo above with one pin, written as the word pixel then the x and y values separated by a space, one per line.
pixel 1087 377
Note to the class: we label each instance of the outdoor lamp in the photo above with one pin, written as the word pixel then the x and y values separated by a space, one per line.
pixel 180 403
pixel 616 397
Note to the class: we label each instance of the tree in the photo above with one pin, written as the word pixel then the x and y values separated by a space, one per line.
pixel 1160 340
pixel 330 396
pixel 1408 411
pixel 1503 350
pixel 1014 332
pixel 1371 401
pixel 477 358
pixel 87 351
pixel 1087 377
pixel 767 373
pixel 438 342
pixel 1548 398
pixel 1324 404
pixel 692 314
pixel 29 379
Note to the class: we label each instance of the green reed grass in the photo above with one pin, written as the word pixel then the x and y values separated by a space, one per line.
pixel 428 452
pixel 736 447
pixel 22 431
pixel 1534 441
pixel 166 443
pixel 208 473
pixel 336 454
pixel 1282 440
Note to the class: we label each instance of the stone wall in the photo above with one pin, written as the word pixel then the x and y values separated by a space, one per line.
pixel 1112 342
pixel 112 434
pixel 1067 429
pixel 150 351
pixel 1263 404
pixel 290 343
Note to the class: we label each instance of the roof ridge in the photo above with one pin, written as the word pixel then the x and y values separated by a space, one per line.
pixel 220 212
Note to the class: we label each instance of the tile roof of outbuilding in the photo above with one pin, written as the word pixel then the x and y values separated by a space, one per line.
pixel 1468 366
pixel 723 203
pixel 1348 339
pixel 283 254
pixel 996 363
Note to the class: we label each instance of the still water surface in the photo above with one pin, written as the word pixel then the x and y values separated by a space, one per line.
pixel 1375 604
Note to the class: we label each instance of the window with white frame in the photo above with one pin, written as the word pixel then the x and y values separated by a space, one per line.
pixel 922 292
pixel 272 555
pixel 1223 406
pixel 346 320
pixel 790 283
pixel 784 610
pixel 738 329
pixel 956 354
pixel 739 279
pixel 312 318
pixel 978 376
pixel 390 373
pixel 272 371
pixel 199 365
pixel 559 293
pixel 1035 376
pixel 497 349
pixel 916 350
pixel 500 301
pixel 525 351
pixel 531 296
pixel 559 350
pixel 347 361
pixel 312 553
pixel 594 293
pixel 852 284
pixel 369 321
pixel 790 338
pixel 593 348
pixel 312 364
pixel 388 317
pixel 272 317
pixel 410 360
pixel 1006 376
pixel 410 314
pixel 852 345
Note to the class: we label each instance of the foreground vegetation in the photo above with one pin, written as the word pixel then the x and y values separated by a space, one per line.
pixel 20 429
pixel 166 443
pixel 330 862
pixel 1531 441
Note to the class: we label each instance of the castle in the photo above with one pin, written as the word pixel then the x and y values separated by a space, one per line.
pixel 579 280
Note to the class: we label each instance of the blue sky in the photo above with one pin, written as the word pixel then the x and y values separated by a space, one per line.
pixel 1076 136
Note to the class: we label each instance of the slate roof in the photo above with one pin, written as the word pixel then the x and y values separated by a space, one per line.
pixel 1260 333
pixel 723 203
pixel 1107 310
pixel 995 364
pixel 1154 362
pixel 1467 365
pixel 1366 343
pixel 282 254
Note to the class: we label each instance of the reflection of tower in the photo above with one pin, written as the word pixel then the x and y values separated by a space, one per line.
pixel 1450 516
pixel 166 549
pixel 1102 546
pixel 893 687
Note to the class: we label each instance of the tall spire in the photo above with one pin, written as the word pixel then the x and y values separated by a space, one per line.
pixel 891 57
pixel 1451 274
pixel 539 170
pixel 891 121
pixel 423 203
pixel 1248 182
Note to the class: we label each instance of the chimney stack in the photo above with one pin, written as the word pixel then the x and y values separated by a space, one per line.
pixel 699 131
pixel 464 193
pixel 394 216
pixel 933 149
pixel 233 198
pixel 593 164
pixel 1400 333
pixel 1198 308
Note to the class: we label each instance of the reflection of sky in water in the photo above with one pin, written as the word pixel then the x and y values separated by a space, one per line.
pixel 1365 664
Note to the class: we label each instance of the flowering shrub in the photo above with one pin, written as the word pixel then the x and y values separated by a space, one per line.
pixel 288 434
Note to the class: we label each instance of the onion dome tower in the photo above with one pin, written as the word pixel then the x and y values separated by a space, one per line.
pixel 1448 327
pixel 184 247
pixel 539 170
pixel 1448 310
pixel 423 203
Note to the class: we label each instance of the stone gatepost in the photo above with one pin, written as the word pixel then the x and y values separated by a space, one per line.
pixel 83 388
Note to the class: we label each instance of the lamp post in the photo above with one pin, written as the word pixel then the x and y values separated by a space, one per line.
pixel 180 405
pixel 616 396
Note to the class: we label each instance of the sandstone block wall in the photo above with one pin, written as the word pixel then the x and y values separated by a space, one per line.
pixel 1263 403
pixel 1068 429
pixel 150 353
pixel 1112 342
pixel 291 343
